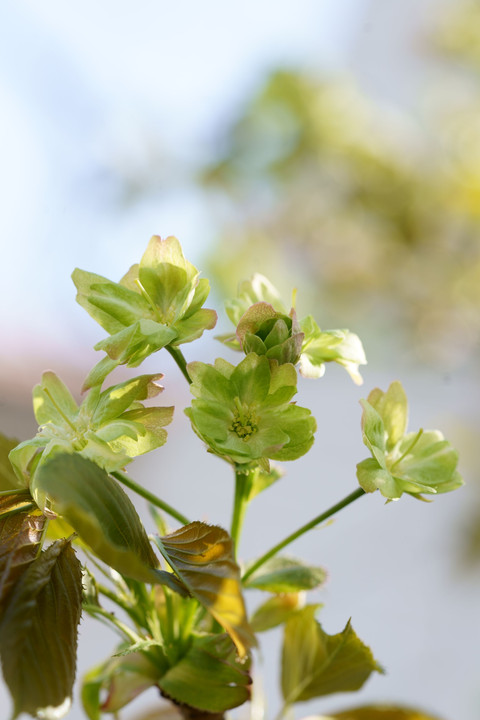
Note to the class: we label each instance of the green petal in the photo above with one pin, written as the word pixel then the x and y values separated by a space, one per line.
pixel 53 402
pixel 208 383
pixel 372 477
pixel 112 305
pixel 431 462
pixel 167 277
pixel 374 434
pixel 392 406
pixel 251 379
pixel 192 326
pixel 118 398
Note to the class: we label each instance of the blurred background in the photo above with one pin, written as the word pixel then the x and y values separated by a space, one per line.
pixel 333 145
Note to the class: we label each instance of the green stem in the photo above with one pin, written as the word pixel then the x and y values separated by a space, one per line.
pixel 16 491
pixel 17 510
pixel 110 619
pixel 305 528
pixel 130 611
pixel 243 482
pixel 126 480
pixel 179 358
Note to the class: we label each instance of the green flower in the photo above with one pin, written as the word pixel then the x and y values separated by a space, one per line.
pixel 157 303
pixel 340 346
pixel 265 331
pixel 264 326
pixel 244 413
pixel 414 462
pixel 110 427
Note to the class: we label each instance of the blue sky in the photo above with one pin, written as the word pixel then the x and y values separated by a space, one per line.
pixel 88 92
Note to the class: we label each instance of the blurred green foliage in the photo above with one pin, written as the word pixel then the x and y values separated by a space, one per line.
pixel 379 214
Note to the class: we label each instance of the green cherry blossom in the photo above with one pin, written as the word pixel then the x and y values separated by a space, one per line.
pixel 159 302
pixel 340 346
pixel 264 326
pixel 110 427
pixel 411 462
pixel 244 413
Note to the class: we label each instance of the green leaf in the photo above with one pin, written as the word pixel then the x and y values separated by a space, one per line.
pixel 122 678
pixel 275 611
pixel 316 664
pixel 8 478
pixel 377 712
pixel 285 575
pixel 20 537
pixel 38 633
pixel 102 514
pixel 209 677
pixel 202 556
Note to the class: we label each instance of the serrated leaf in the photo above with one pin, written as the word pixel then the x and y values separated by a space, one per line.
pixel 316 664
pixel 20 537
pixel 38 633
pixel 377 712
pixel 208 677
pixel 8 478
pixel 286 574
pixel 275 611
pixel 202 556
pixel 102 514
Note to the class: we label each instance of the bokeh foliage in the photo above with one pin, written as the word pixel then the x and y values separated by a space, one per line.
pixel 379 212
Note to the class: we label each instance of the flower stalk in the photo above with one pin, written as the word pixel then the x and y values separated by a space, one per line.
pixel 302 530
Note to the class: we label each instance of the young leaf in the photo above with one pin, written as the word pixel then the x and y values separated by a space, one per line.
pixel 378 712
pixel 123 678
pixel 38 633
pixel 208 677
pixel 285 575
pixel 316 664
pixel 275 611
pixel 20 537
pixel 103 516
pixel 202 556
